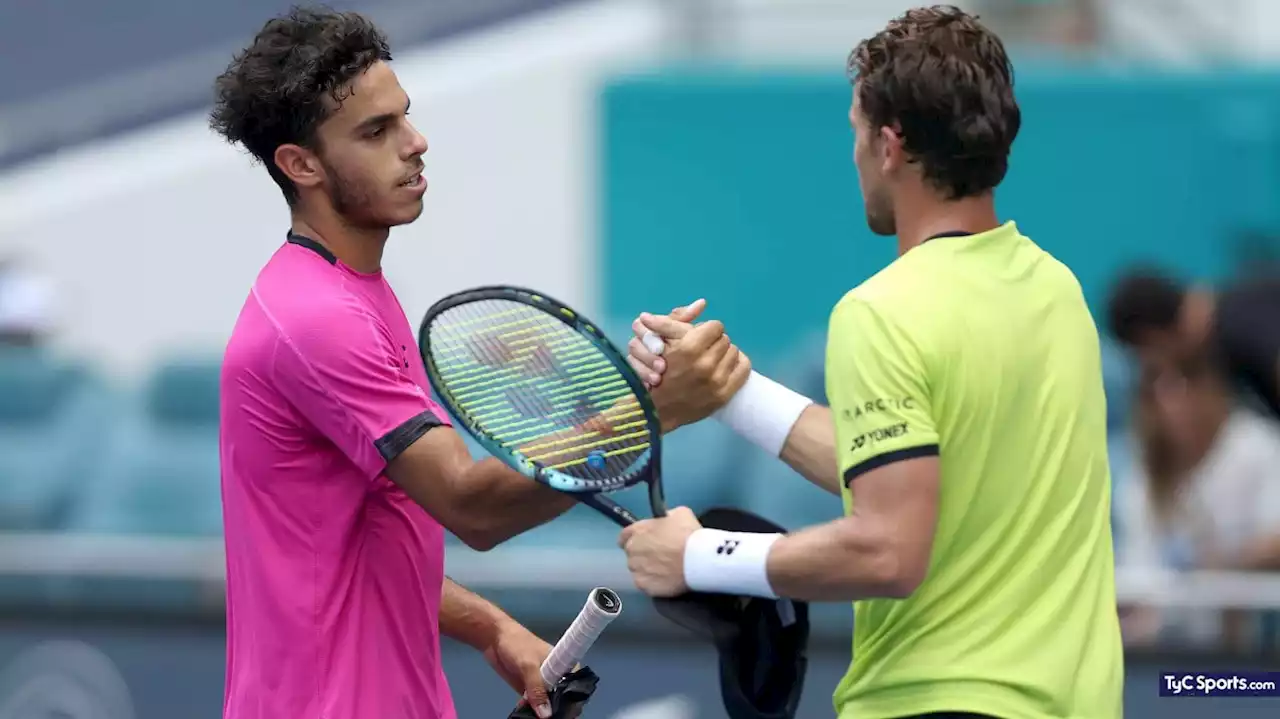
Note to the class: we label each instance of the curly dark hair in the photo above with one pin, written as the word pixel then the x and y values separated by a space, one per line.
pixel 945 81
pixel 278 90
pixel 1142 300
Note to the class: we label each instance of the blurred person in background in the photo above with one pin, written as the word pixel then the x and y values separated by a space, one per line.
pixel 1166 323
pixel 27 301
pixel 340 474
pixel 1205 495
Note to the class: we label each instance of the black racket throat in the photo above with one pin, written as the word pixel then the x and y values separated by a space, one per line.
pixel 622 516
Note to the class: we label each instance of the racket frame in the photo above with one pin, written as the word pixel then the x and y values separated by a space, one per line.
pixel 595 497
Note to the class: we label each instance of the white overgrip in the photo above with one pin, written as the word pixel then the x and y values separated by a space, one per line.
pixel 602 607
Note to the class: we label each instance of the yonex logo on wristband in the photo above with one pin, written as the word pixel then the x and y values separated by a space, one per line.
pixel 729 562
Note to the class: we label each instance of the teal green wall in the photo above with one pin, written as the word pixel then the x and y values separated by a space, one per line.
pixel 739 186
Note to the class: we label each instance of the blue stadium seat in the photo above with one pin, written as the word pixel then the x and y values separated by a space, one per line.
pixel 52 424
pixel 161 476
pixel 53 421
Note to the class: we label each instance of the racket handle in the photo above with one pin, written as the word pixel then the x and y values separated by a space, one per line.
pixel 653 342
pixel 602 607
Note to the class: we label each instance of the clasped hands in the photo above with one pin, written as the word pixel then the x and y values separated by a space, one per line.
pixel 698 372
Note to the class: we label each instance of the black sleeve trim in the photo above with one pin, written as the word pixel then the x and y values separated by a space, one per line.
pixel 395 442
pixel 878 461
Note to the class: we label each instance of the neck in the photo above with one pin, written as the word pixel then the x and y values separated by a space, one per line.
pixel 920 220
pixel 356 247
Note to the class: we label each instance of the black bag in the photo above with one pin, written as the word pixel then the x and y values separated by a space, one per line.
pixel 762 643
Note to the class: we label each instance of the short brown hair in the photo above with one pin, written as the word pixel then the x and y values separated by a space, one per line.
pixel 945 82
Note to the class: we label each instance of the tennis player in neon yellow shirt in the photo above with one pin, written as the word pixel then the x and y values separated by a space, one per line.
pixel 966 433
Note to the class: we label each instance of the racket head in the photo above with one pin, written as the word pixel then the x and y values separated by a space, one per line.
pixel 514 366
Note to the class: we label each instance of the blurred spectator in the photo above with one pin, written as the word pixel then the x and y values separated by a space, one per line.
pixel 1238 326
pixel 26 306
pixel 1206 495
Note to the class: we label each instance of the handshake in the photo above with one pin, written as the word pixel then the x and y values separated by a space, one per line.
pixel 696 371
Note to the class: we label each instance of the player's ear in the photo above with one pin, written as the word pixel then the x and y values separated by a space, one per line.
pixel 300 165
pixel 892 155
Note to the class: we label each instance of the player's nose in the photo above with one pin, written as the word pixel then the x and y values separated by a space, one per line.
pixel 417 144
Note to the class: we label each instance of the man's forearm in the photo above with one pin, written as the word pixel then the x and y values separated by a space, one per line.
pixel 1260 555
pixel 505 503
pixel 811 448
pixel 843 560
pixel 468 617
pixel 787 425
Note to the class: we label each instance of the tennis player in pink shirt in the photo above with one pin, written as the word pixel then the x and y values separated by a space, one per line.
pixel 339 474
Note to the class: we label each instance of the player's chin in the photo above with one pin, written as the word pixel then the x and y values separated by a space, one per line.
pixel 402 212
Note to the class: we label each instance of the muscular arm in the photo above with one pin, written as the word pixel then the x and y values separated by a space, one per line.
pixel 878 438
pixel 881 550
pixel 811 448
pixel 468 617
pixel 484 503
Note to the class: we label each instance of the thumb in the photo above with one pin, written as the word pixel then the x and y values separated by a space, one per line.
pixel 665 327
pixel 625 535
pixel 536 693
pixel 690 312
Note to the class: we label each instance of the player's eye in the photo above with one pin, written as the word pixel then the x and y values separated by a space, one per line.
pixel 376 132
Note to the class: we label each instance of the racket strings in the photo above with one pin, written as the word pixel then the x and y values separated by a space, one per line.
pixel 539 388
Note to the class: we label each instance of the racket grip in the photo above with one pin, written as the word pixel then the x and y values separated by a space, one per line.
pixel 602 607
pixel 653 342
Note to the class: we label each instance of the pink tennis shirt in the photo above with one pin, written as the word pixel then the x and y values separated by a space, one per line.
pixel 334 574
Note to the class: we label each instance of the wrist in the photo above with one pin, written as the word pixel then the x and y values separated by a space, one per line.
pixel 729 562
pixel 763 412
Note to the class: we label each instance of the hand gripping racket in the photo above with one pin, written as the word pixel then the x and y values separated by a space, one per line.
pixel 566 684
pixel 541 388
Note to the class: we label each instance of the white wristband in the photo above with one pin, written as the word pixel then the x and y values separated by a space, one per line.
pixel 764 412
pixel 729 562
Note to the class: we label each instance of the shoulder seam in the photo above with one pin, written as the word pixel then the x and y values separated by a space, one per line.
pixel 283 337
pixel 870 306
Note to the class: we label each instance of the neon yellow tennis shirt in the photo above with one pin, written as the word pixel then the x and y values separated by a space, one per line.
pixel 980 349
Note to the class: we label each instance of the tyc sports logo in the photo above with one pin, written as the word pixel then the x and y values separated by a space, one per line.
pixel 1220 684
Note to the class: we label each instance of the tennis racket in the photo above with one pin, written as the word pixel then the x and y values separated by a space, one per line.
pixel 602 607
pixel 569 686
pixel 541 388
